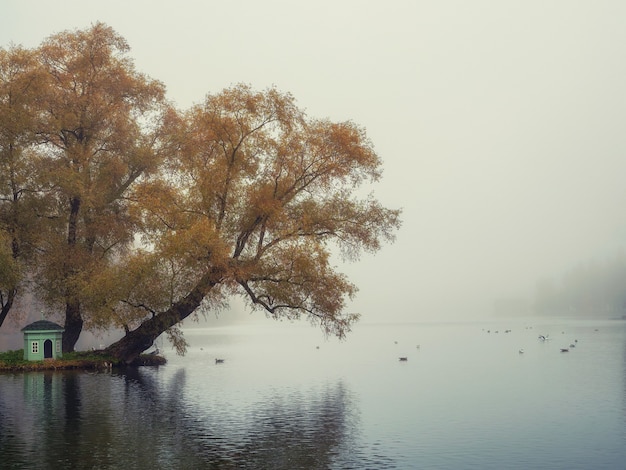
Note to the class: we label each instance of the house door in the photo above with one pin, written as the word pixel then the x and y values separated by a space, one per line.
pixel 47 348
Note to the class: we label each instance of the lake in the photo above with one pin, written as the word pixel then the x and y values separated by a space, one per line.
pixel 286 398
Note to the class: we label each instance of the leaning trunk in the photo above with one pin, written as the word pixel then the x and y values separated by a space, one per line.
pixel 127 349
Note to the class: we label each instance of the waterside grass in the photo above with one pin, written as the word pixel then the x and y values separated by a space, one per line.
pixel 14 361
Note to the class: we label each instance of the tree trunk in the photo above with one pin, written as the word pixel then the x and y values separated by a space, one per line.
pixel 73 318
pixel 73 326
pixel 6 307
pixel 15 252
pixel 137 341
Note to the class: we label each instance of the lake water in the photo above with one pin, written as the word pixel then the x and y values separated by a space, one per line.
pixel 284 398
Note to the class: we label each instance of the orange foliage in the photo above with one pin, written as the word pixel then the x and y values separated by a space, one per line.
pixel 153 214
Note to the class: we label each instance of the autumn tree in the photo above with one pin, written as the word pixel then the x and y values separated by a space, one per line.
pixel 21 83
pixel 141 216
pixel 254 201
pixel 98 135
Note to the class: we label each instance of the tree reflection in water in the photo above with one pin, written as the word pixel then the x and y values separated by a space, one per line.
pixel 140 419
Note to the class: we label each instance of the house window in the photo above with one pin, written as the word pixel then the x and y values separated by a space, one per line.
pixel 34 347
pixel 58 345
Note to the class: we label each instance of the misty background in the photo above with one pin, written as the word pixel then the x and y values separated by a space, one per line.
pixel 500 125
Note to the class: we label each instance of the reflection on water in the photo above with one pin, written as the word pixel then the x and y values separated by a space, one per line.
pixel 71 419
pixel 283 399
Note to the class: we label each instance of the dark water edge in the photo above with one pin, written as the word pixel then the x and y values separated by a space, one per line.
pixel 136 424
pixel 75 419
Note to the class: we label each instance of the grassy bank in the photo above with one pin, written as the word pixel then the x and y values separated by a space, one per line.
pixel 14 361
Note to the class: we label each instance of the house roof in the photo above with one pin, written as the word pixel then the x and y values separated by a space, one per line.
pixel 43 325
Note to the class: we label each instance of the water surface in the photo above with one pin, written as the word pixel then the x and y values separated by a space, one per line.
pixel 286 399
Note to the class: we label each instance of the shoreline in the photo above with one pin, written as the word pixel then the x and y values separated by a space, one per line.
pixel 80 364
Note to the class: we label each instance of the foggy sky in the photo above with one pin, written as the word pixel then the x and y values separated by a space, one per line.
pixel 500 123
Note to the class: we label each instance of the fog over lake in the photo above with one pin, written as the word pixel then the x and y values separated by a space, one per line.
pixel 500 126
pixel 499 123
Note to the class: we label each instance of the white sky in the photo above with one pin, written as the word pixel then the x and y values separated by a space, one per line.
pixel 501 123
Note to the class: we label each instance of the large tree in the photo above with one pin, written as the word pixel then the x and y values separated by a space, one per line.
pixel 21 84
pixel 97 127
pixel 142 215
pixel 254 201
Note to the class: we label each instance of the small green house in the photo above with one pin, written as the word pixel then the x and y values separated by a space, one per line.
pixel 42 340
